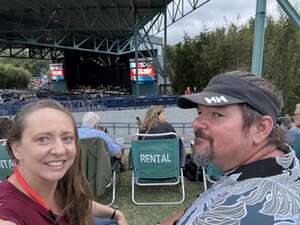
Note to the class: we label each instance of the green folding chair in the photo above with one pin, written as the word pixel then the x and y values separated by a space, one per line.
pixel 96 165
pixel 296 146
pixel 211 173
pixel 7 165
pixel 156 163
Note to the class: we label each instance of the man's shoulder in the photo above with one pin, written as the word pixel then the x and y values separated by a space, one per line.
pixel 242 202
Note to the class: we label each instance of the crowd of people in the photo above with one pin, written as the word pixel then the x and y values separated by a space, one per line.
pixel 236 129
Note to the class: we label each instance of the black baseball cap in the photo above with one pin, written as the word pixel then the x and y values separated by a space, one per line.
pixel 225 90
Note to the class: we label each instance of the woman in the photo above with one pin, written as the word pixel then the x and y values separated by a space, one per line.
pixel 47 186
pixel 155 121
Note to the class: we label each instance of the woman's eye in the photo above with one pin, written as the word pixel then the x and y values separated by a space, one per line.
pixel 68 139
pixel 43 140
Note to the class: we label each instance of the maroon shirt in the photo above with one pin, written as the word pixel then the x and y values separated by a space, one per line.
pixel 17 207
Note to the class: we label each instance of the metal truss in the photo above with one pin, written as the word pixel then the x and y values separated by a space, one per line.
pixel 31 52
pixel 70 40
pixel 176 10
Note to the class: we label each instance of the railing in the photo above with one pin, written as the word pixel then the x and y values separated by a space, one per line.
pixel 122 132
pixel 99 104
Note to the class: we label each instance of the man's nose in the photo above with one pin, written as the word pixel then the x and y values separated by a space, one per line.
pixel 199 123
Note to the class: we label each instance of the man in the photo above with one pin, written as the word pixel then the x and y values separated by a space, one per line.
pixel 236 130
pixel 90 122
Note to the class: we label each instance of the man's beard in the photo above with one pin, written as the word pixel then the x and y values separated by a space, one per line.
pixel 204 157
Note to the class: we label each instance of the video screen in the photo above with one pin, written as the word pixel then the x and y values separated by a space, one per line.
pixel 56 71
pixel 145 71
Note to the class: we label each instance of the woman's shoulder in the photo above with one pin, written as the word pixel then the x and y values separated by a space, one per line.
pixel 166 126
pixel 19 208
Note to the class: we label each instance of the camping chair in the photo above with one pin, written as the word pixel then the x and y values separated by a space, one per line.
pixel 296 145
pixel 156 163
pixel 98 167
pixel 210 173
pixel 7 165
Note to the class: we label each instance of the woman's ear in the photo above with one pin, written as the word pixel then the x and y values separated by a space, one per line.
pixel 16 151
pixel 264 127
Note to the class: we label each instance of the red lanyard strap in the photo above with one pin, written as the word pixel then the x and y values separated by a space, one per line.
pixel 28 189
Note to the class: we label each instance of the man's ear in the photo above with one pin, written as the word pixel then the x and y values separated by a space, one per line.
pixel 16 150
pixel 264 127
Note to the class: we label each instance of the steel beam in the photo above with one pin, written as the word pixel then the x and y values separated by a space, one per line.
pixel 290 11
pixel 176 10
pixel 259 35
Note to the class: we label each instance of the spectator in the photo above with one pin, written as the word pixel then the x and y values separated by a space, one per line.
pixel 47 186
pixel 89 128
pixel 295 130
pixel 155 122
pixel 236 130
pixel 5 126
pixel 188 91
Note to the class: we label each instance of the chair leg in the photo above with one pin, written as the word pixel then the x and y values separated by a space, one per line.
pixel 204 178
pixel 113 189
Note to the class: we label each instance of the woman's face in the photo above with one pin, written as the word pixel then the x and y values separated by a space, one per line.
pixel 162 117
pixel 47 148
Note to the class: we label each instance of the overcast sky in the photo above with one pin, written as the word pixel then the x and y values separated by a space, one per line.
pixel 218 13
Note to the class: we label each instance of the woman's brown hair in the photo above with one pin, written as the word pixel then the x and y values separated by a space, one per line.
pixel 73 192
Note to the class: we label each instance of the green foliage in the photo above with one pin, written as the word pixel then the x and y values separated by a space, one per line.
pixel 34 66
pixel 194 61
pixel 13 77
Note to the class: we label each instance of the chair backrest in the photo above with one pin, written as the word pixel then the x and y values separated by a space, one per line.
pixel 296 146
pixel 156 159
pixel 6 163
pixel 213 172
pixel 95 163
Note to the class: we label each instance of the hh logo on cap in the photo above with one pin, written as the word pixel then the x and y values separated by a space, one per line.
pixel 216 99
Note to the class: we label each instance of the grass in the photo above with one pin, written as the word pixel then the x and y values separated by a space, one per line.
pixel 150 215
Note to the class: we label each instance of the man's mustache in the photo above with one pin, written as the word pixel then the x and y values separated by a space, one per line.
pixel 199 134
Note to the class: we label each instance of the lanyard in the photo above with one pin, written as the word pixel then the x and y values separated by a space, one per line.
pixel 28 189
pixel 33 194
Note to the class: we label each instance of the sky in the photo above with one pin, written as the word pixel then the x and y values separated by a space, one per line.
pixel 217 13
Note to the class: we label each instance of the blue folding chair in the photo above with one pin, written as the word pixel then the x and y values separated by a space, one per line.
pixel 156 163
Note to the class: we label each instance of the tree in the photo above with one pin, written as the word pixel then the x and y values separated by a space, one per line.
pixel 13 77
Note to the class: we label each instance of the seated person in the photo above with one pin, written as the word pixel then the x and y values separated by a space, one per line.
pixel 90 128
pixel 5 126
pixel 155 122
pixel 295 130
pixel 47 186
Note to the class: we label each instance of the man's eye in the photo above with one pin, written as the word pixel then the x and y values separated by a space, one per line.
pixel 68 139
pixel 43 140
pixel 199 112
pixel 216 115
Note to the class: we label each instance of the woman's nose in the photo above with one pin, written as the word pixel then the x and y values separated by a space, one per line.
pixel 58 147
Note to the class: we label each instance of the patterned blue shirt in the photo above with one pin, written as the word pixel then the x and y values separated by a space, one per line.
pixel 264 192
pixel 86 132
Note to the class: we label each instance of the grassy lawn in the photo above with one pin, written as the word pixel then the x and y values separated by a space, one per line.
pixel 148 215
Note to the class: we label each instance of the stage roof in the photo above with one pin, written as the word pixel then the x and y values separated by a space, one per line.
pixel 73 23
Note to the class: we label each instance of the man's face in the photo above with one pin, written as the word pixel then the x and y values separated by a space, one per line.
pixel 220 138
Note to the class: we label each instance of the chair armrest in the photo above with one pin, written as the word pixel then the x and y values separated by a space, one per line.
pixel 115 164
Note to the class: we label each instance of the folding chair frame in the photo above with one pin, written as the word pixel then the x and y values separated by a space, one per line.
pixel 180 179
